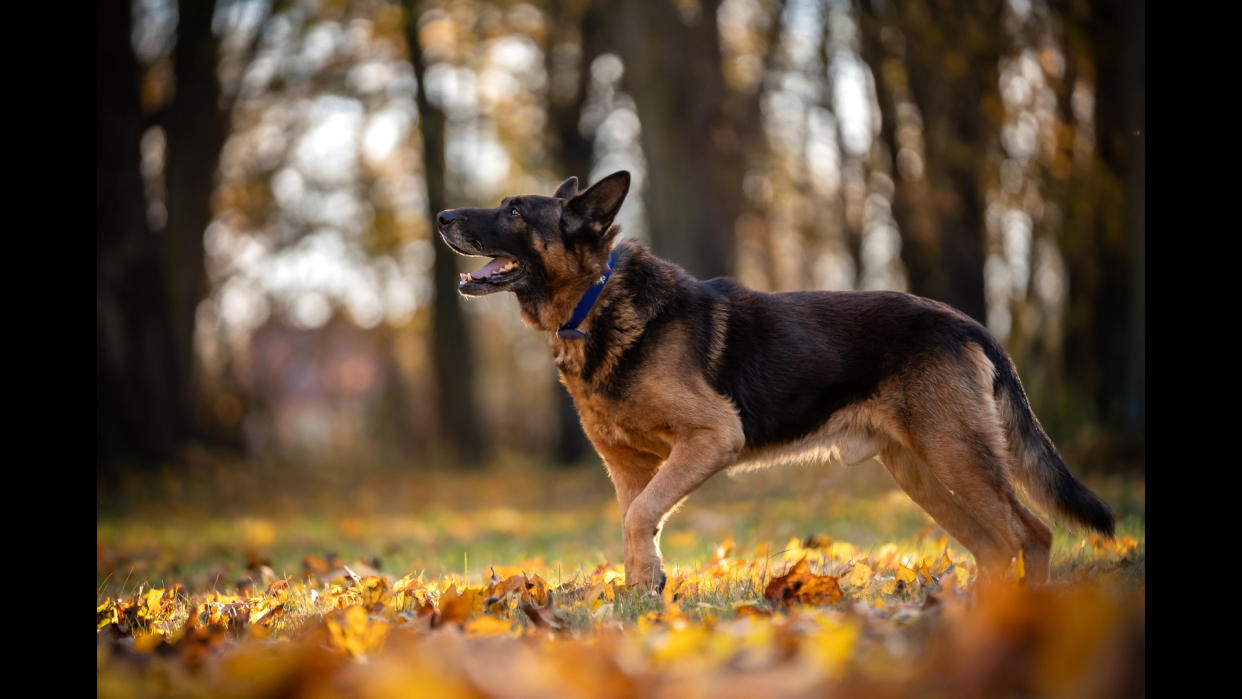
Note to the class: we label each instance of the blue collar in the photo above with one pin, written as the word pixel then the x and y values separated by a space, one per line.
pixel 570 329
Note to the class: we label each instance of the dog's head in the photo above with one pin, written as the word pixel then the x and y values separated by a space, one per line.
pixel 539 246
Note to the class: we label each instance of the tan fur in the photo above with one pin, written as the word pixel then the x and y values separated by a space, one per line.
pixel 669 435
pixel 570 274
pixel 947 450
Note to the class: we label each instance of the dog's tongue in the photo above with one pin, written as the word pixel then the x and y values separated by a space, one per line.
pixel 491 268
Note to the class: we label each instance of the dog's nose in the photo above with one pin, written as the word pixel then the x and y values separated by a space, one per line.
pixel 446 217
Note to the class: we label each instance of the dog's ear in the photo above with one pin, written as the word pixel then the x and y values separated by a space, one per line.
pixel 568 189
pixel 595 208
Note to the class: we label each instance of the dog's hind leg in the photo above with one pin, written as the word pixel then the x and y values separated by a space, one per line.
pixel 975 484
pixel 952 423
pixel 917 480
pixel 949 419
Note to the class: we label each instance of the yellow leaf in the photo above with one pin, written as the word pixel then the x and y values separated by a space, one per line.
pixel 924 569
pixel 409 583
pixel 945 563
pixel 264 610
pixel 373 590
pixel 860 575
pixel 906 575
pixel 105 615
pixel 678 586
pixel 354 632
pixel 151 604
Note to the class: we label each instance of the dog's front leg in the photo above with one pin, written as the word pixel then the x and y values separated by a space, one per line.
pixel 630 470
pixel 691 462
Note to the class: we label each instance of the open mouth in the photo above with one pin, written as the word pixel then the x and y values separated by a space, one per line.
pixel 491 277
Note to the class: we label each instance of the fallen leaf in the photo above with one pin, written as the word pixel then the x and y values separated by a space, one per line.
pixel 456 607
pixel 542 617
pixel 801 585
pixel 859 575
pixel 906 575
pixel 354 632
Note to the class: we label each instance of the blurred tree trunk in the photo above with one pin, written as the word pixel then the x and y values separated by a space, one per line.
pixel 1104 235
pixel 1116 29
pixel 574 155
pixel 140 402
pixel 952 50
pixel 196 124
pixel 574 151
pixel 693 149
pixel 882 48
pixel 452 353
pixel 151 282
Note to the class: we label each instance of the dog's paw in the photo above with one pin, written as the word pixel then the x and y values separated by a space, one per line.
pixel 651 578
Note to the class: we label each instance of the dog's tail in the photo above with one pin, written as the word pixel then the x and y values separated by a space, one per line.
pixel 1038 466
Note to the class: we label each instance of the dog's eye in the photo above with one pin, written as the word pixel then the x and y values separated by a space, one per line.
pixel 514 213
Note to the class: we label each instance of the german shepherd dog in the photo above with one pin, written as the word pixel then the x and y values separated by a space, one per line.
pixel 676 379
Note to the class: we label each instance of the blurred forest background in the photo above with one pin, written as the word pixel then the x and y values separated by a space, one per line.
pixel 269 282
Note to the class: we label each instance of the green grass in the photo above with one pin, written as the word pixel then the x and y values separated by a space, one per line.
pixel 201 530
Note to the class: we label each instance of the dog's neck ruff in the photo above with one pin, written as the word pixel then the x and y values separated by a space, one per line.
pixel 570 329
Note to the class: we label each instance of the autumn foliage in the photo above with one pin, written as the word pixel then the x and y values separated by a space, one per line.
pixel 811 617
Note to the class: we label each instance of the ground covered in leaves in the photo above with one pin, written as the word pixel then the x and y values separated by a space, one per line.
pixel 248 580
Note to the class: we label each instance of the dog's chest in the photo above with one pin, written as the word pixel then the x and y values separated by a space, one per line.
pixel 617 421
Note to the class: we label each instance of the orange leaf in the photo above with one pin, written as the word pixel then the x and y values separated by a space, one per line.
pixel 456 607
pixel 801 585
pixel 537 589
